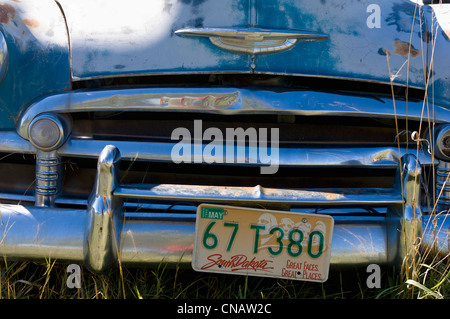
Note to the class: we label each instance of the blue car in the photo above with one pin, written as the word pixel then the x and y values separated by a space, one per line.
pixel 281 138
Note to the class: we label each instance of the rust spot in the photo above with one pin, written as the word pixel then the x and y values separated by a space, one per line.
pixel 332 196
pixel 180 247
pixel 32 23
pixel 403 48
pixel 7 12
pixel 426 36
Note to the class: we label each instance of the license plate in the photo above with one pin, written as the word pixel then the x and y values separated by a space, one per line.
pixel 266 243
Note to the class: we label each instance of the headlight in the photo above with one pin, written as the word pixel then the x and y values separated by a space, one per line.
pixel 442 144
pixel 48 131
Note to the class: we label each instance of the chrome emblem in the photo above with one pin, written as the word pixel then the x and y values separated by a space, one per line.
pixel 252 40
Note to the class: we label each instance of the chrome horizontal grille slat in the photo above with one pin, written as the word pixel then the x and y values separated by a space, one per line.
pixel 228 101
pixel 260 195
pixel 302 156
pixel 22 198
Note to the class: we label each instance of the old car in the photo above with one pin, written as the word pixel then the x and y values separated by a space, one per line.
pixel 272 138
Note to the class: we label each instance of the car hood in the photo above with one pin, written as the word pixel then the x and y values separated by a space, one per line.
pixel 357 40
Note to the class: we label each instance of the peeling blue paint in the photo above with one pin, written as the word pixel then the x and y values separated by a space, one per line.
pixel 352 51
pixel 38 65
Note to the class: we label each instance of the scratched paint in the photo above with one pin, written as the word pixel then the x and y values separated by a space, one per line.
pixel 32 23
pixel 109 38
pixel 353 49
pixel 7 12
pixel 403 49
pixel 38 51
pixel 139 36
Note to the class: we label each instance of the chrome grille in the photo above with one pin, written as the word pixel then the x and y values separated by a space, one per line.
pixel 350 172
pixel 334 142
pixel 443 185
pixel 315 170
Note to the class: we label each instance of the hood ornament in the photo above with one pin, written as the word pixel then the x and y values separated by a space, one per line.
pixel 252 40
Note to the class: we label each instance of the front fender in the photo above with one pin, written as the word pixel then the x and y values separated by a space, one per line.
pixel 38 60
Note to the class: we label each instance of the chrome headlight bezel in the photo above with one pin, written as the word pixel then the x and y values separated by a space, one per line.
pixel 442 142
pixel 59 125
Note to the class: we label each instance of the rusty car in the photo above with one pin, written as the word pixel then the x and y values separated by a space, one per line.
pixel 343 112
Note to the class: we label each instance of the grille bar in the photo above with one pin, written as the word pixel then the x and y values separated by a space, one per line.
pixel 443 184
pixel 302 156
pixel 262 195
pixel 226 101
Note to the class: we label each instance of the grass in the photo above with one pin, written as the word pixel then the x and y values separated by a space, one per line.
pixel 32 280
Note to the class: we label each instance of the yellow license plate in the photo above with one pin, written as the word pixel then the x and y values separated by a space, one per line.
pixel 266 243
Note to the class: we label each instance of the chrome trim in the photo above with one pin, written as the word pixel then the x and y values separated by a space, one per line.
pixel 253 46
pixel 104 235
pixel 251 40
pixel 259 195
pixel 358 241
pixel 64 127
pixel 436 233
pixel 21 198
pixel 227 101
pixel 49 176
pixel 38 233
pixel 4 56
pixel 442 191
pixel 11 142
pixel 105 219
pixel 410 172
pixel 29 232
pixel 388 157
pixel 339 156
pixel 442 142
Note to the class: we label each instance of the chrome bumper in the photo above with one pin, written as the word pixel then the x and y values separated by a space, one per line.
pixel 105 234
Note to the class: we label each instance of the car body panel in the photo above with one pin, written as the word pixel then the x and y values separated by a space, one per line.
pixel 39 60
pixel 139 38
pixel 438 73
